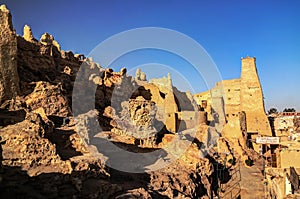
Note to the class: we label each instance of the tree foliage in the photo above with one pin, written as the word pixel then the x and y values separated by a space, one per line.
pixel 289 110
pixel 272 110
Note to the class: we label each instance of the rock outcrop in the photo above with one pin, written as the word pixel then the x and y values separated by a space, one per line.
pixel 178 181
pixel 27 34
pixel 27 147
pixel 9 78
pixel 50 98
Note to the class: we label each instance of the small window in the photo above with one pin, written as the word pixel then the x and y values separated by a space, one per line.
pixel 163 95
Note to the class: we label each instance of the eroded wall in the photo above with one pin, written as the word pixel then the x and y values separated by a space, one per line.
pixel 237 95
pixel 9 79
pixel 231 93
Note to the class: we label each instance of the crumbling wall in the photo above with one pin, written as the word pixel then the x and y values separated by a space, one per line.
pixel 188 120
pixel 233 132
pixel 283 125
pixel 218 107
pixel 204 101
pixel 27 147
pixel 276 179
pixel 157 96
pixel 232 128
pixel 9 79
pixel 137 119
pixel 184 100
pixel 236 95
pixel 50 98
pixel 44 61
pixel 231 93
pixel 166 88
pixel 180 181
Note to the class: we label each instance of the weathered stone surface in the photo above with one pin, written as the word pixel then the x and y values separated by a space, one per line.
pixel 143 76
pixel 27 148
pixel 142 113
pixel 49 46
pixel 9 78
pixel 87 125
pixel 14 104
pixel 88 180
pixel 179 181
pixel 27 34
pixel 47 39
pixel 49 97
pixel 123 71
pixel 137 120
pixel 138 74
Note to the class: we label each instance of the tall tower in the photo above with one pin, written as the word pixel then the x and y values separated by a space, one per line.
pixel 252 101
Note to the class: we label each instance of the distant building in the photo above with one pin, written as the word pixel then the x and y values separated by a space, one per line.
pixel 283 165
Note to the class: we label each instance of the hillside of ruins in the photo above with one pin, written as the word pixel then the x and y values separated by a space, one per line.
pixel 220 143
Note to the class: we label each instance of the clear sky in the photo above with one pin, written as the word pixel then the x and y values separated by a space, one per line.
pixel 227 29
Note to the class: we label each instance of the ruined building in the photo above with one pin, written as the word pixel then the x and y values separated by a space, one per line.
pixel 282 165
pixel 238 104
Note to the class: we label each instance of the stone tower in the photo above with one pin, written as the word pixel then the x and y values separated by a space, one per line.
pixel 252 101
pixel 9 79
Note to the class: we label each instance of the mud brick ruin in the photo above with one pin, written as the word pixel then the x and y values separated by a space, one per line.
pixel 48 148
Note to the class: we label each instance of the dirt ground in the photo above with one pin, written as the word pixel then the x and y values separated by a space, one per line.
pixel 252 185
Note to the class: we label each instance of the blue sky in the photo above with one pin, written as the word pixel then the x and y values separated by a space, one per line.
pixel 228 30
